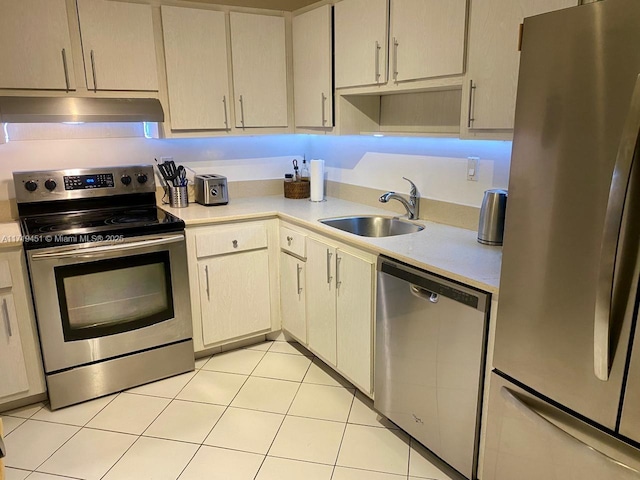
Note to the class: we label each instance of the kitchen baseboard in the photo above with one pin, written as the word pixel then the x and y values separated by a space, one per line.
pixel 23 402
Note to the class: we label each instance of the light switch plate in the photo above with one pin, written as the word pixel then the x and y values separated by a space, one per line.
pixel 472 168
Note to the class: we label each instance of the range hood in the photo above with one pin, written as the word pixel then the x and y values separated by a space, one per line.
pixel 79 109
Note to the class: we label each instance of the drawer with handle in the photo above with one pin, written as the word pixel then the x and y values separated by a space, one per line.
pixel 293 242
pixel 230 239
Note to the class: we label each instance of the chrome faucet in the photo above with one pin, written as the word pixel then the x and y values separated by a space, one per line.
pixel 412 206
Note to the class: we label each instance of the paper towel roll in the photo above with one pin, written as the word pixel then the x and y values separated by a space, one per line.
pixel 317 180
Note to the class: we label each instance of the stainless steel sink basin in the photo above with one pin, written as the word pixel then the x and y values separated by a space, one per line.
pixel 373 226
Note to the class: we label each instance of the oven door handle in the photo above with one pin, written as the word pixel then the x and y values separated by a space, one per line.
pixel 94 251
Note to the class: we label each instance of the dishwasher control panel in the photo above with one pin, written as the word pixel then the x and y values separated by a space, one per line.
pixel 435 284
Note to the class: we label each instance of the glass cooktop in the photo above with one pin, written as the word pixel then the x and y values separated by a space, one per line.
pixel 60 228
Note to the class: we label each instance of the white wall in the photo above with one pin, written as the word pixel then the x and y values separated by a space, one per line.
pixel 246 158
pixel 436 165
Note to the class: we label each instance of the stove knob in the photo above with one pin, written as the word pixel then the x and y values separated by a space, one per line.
pixel 142 178
pixel 31 185
pixel 50 184
pixel 125 179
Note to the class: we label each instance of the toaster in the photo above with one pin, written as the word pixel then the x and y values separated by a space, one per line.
pixel 211 190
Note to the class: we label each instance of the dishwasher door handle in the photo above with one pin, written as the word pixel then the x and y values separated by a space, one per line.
pixel 423 293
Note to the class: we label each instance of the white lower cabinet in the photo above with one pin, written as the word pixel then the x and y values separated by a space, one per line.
pixel 293 296
pixel 21 372
pixel 354 317
pixel 233 280
pixel 13 375
pixel 339 308
pixel 234 295
pixel 321 301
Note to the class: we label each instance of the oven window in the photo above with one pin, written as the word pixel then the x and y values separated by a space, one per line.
pixel 114 295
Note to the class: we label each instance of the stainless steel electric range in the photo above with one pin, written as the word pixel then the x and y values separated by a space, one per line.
pixel 108 273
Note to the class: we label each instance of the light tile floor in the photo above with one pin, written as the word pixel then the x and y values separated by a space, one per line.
pixel 271 411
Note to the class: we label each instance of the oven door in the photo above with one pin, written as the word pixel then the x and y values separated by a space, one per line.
pixel 96 301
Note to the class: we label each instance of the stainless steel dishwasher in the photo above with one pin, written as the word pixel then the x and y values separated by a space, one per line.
pixel 430 355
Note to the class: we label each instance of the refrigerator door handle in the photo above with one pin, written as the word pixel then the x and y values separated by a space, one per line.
pixel 537 419
pixel 610 237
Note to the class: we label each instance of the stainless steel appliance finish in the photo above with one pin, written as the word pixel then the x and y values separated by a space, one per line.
pixel 568 291
pixel 535 440
pixel 373 226
pixel 109 277
pixel 79 109
pixel 492 212
pixel 429 360
pixel 96 295
pixel 85 382
pixel 70 184
pixel 211 189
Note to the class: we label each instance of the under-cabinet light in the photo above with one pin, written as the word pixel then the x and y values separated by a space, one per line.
pixel 6 132
pixel 146 128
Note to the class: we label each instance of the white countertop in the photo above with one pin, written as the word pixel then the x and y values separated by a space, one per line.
pixel 442 249
pixel 10 235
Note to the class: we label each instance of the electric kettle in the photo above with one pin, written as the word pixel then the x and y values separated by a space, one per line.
pixel 491 225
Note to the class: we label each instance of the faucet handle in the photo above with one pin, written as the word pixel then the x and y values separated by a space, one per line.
pixel 414 189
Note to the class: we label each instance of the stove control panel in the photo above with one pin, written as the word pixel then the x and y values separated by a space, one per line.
pixel 43 186
pixel 78 182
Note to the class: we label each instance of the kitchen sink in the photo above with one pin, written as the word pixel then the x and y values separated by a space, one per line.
pixel 373 226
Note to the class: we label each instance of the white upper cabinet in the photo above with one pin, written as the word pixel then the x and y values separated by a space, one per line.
pixel 312 68
pixel 195 51
pixel 35 49
pixel 118 45
pixel 492 74
pixel 258 53
pixel 361 36
pixel 427 38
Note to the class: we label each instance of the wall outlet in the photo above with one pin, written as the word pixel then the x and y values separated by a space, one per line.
pixel 472 168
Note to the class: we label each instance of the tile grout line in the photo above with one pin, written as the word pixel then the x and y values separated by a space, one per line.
pixel 202 444
pixel 225 409
pixel 283 419
pixel 141 434
pixel 335 464
pixel 54 423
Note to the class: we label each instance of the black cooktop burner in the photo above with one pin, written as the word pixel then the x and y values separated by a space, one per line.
pixel 55 229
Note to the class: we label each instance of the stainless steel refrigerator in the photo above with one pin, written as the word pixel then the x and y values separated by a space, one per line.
pixel 565 390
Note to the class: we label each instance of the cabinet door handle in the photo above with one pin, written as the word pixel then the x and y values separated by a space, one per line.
pixel 324 119
pixel 329 255
pixel 66 69
pixel 206 274
pixel 378 62
pixel 395 59
pixel 299 268
pixel 241 111
pixel 338 281
pixel 235 243
pixel 93 71
pixel 289 240
pixel 7 320
pixel 472 89
pixel 224 107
